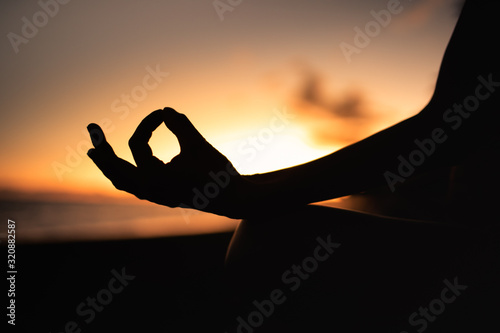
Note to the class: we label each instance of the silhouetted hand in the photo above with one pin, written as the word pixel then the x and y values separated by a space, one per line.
pixel 199 177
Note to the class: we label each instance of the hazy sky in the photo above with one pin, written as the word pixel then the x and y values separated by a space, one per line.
pixel 231 72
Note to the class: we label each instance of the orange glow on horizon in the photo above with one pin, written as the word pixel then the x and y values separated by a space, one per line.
pixel 116 66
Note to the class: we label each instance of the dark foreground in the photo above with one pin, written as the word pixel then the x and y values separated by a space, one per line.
pixel 357 277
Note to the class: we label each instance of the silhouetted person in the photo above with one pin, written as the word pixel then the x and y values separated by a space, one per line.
pixel 456 131
pixel 461 120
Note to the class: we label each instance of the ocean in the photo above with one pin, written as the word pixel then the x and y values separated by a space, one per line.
pixel 62 221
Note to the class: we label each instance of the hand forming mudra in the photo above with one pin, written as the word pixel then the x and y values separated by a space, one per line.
pixel 199 177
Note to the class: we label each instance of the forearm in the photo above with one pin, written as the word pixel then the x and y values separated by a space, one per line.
pixel 366 164
pixel 469 72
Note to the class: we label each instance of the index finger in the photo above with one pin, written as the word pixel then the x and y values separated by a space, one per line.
pixel 138 143
pixel 187 135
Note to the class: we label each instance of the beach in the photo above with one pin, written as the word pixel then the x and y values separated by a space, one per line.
pixel 171 284
pixel 338 277
pixel 357 139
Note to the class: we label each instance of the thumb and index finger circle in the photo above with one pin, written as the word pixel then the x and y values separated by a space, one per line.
pixel 187 135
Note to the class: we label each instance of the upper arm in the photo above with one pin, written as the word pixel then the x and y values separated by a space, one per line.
pixel 466 100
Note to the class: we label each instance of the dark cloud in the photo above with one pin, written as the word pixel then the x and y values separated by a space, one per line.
pixel 312 92
pixel 332 117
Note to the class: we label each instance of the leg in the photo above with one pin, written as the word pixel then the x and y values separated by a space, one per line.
pixel 379 268
pixel 273 233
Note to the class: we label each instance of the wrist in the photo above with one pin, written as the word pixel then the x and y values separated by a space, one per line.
pixel 252 195
pixel 259 195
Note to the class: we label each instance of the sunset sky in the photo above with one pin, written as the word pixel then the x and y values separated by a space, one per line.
pixel 235 71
